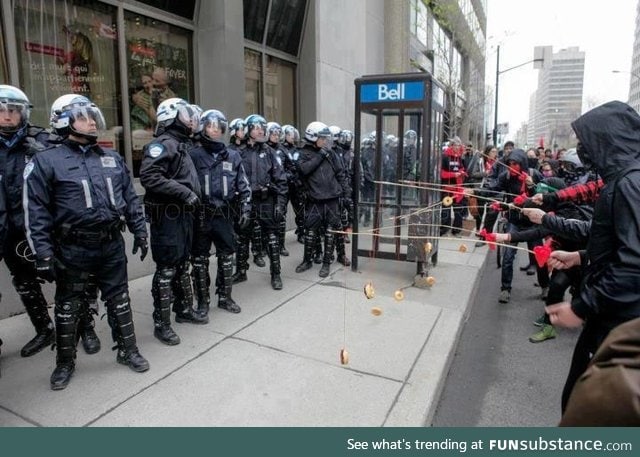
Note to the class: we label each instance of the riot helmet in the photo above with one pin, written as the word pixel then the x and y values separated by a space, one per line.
pixel 13 100
pixel 213 126
pixel 255 128
pixel 176 113
pixel 317 131
pixel 72 108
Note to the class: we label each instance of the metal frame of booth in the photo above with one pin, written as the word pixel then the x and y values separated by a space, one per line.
pixel 400 102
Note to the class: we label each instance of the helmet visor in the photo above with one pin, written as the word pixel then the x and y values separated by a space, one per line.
pixel 188 116
pixel 12 115
pixel 87 120
pixel 214 128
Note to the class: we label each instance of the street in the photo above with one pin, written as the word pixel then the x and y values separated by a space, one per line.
pixel 498 378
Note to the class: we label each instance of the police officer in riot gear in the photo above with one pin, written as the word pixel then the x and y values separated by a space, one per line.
pixel 222 178
pixel 172 196
pixel 268 194
pixel 274 134
pixel 345 140
pixel 345 202
pixel 290 141
pixel 238 142
pixel 236 134
pixel 19 141
pixel 3 227
pixel 325 181
pixel 78 198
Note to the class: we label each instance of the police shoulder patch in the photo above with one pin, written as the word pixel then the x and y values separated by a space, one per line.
pixel 28 168
pixel 155 149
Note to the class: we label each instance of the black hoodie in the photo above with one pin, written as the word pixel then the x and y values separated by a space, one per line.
pixel 610 137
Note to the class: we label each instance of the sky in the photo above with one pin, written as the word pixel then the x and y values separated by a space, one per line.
pixel 603 30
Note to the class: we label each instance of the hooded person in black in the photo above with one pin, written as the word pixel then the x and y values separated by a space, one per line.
pixel 608 141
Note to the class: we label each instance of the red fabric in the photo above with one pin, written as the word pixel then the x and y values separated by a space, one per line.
pixel 520 199
pixel 542 253
pixel 489 237
pixel 496 206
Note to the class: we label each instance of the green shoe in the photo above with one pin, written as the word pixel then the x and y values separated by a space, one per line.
pixel 546 333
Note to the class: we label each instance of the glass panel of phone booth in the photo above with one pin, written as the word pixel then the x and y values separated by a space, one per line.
pixel 367 186
pixel 385 208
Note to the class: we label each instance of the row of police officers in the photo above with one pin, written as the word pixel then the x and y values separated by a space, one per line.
pixel 65 201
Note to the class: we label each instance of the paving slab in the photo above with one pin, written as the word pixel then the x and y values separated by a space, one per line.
pixel 243 384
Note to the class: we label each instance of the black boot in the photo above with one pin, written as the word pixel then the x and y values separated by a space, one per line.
pixel 121 322
pixel 183 304
pixel 274 260
pixel 224 283
pixel 309 246
pixel 61 375
pixel 239 276
pixel 66 316
pixel 281 235
pixel 257 248
pixel 201 283
pixel 328 254
pixel 341 250
pixel 242 257
pixel 36 306
pixel 317 253
pixel 162 300
pixel 86 333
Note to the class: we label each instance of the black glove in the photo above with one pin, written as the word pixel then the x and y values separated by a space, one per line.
pixel 192 200
pixel 278 213
pixel 140 242
pixel 45 269
pixel 245 220
pixel 324 153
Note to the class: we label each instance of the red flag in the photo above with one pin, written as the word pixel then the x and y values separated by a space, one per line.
pixel 541 142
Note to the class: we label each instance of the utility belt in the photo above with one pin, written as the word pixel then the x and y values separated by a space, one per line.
pixel 210 211
pixel 90 237
pixel 262 193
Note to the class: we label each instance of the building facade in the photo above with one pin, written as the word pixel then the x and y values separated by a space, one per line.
pixel 558 99
pixel 294 61
pixel 634 82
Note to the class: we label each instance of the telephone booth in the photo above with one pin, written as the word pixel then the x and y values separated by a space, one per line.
pixel 397 137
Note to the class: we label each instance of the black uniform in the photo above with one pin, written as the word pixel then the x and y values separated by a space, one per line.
pixel 296 188
pixel 345 159
pixel 282 157
pixel 172 192
pixel 268 194
pixel 368 186
pixel 224 187
pixel 14 155
pixel 325 181
pixel 78 199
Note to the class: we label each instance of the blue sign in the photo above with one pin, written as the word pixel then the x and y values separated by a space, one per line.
pixel 410 91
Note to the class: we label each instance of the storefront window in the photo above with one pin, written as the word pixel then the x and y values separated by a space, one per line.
pixel 67 47
pixel 158 67
pixel 252 71
pixel 279 97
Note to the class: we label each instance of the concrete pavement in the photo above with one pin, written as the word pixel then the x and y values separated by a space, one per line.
pixel 274 364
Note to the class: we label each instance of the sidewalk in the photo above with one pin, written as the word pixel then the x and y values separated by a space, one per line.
pixel 274 364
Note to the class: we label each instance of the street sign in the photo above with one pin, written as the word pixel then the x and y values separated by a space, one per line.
pixel 392 92
pixel 503 128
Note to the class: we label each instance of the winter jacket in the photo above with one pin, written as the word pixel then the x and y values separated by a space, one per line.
pixel 610 136
pixel 77 187
pixel 12 163
pixel 323 174
pixel 221 174
pixel 266 177
pixel 167 172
